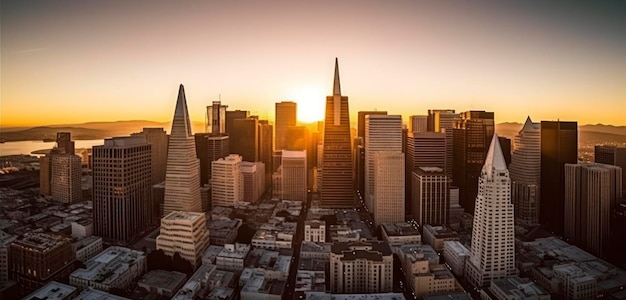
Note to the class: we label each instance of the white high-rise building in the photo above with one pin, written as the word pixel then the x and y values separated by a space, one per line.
pixel 227 181
pixel 185 233
pixel 525 173
pixel 182 174
pixel 388 187
pixel 293 177
pixel 65 180
pixel 492 255
pixel 382 133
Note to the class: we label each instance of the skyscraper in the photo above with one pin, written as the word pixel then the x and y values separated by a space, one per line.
pixel 244 138
pixel 559 146
pixel 266 152
pixel 159 141
pixel 525 173
pixel 612 155
pixel 382 133
pixel 293 175
pixel 361 121
pixel 431 196
pixel 232 115
pixel 65 143
pixel 182 177
pixel 253 174
pixel 227 181
pixel 592 191
pixel 471 134
pixel 285 117
pixel 492 255
pixel 336 182
pixel 418 123
pixel 184 233
pixel 65 179
pixel 215 122
pixel 442 120
pixel 388 192
pixel 122 206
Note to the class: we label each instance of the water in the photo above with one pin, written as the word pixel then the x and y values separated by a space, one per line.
pixel 26 147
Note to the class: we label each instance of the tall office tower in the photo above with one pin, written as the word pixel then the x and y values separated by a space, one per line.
pixel 253 180
pixel 159 141
pixel 45 172
pixel 294 175
pixel 388 192
pixel 244 138
pixel 492 255
pixel 185 233
pixel 210 148
pixel 227 181
pixel 505 144
pixel 337 190
pixel 418 124
pixel 472 134
pixel 361 267
pixel 361 121
pixel 423 149
pixel 266 152
pixel 65 178
pixel 38 258
pixel 442 120
pixel 285 118
pixel 612 155
pixel 592 191
pixel 65 143
pixel 431 196
pixel 215 122
pixel 559 146
pixel 297 138
pixel 182 176
pixel 525 173
pixel 122 205
pixel 382 133
pixel 232 115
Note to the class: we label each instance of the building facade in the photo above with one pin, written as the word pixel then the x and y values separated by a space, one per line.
pixel 418 124
pixel 442 120
pixel 286 112
pixel 253 174
pixel 388 193
pixel 65 179
pixel 361 267
pixel 525 173
pixel 293 179
pixel 185 233
pixel 158 138
pixel 227 181
pixel 431 196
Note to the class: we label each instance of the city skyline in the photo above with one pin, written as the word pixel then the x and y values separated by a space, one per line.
pixel 64 60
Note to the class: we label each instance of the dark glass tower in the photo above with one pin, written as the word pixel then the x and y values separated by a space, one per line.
pixel 472 136
pixel 336 182
pixel 559 146
pixel 244 138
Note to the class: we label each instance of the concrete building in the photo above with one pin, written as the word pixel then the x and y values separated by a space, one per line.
pixel 382 133
pixel 314 231
pixel 472 134
pixel 437 279
pixel 223 231
pixel 293 176
pixel 388 193
pixel 215 122
pixel 162 283
pixel 335 180
pixel 431 196
pixel 260 287
pixel 123 207
pixel 418 123
pixel 273 239
pixel 612 155
pixel 53 291
pixel 115 267
pixel 185 233
pixel 158 140
pixel 442 120
pixel 514 287
pixel 38 258
pixel 209 148
pixel 592 192
pixel 272 264
pixel 93 294
pixel 182 176
pixel 525 173
pixel 285 117
pixel 87 248
pixel 253 180
pixel 361 267
pixel 492 255
pixel 82 228
pixel 559 146
pixel 65 184
pixel 456 255
pixel 437 235
pixel 227 181
pixel 208 283
pixel 232 257
pixel 397 234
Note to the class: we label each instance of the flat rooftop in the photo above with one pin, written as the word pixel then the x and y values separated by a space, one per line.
pixel 377 296
pixel 93 294
pixel 163 279
pixel 400 229
pixel 41 241
pixel 52 291
pixel 107 265
pixel 457 248
pixel 179 215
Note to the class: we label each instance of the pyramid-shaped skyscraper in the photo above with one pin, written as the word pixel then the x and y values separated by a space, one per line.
pixel 182 181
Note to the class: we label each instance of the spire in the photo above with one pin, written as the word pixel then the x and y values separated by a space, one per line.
pixel 181 116
pixel 494 159
pixel 336 85
pixel 529 126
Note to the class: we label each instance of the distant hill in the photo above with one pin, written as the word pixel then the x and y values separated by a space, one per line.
pixel 86 131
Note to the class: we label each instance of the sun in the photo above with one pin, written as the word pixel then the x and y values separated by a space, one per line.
pixel 311 102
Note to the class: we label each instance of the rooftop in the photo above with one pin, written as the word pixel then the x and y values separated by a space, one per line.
pixel 374 250
pixel 400 229
pixel 41 241
pixel 180 215
pixel 237 250
pixel 51 291
pixel 516 287
pixel 378 296
pixel 107 265
pixel 93 294
pixel 163 279
pixel 457 247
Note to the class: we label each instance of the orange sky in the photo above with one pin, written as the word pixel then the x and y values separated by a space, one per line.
pixel 76 61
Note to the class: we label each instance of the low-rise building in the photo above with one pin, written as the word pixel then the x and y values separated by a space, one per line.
pixel 516 288
pixel 274 264
pixel 273 239
pixel 115 267
pixel 437 279
pixel 210 254
pixel 232 257
pixel 397 234
pixel 208 283
pixel 262 287
pixel 314 250
pixel 333 296
pixel 87 248
pixel 163 283
pixel 223 231
pixel 53 291
pixel 455 255
pixel 416 258
pixel 314 231
pixel 94 294
pixel 436 235
pixel 361 267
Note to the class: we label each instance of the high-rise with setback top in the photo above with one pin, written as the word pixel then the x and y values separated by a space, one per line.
pixel 182 176
pixel 526 173
pixel 337 186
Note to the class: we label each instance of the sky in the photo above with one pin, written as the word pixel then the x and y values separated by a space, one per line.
pixel 66 62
